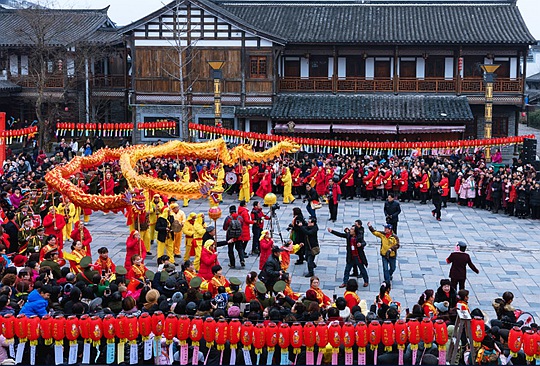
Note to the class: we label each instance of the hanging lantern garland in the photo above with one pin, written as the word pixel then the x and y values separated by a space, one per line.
pixel 354 147
pixel 18 135
pixel 111 130
pixel 182 330
pixel 162 125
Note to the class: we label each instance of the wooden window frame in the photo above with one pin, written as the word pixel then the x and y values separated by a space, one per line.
pixel 258 67
pixel 499 127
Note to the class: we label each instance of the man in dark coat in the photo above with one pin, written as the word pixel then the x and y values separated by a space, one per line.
pixel 12 229
pixel 458 271
pixel 311 241
pixel 392 209
pixel 272 268
pixel 436 198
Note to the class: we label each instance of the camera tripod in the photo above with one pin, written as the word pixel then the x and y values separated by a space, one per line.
pixel 274 223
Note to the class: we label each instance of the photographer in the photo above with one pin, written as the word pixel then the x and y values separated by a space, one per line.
pixel 392 209
pixel 355 253
pixel 311 247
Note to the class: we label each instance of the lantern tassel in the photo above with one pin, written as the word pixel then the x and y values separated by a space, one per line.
pixel 32 354
pixel 320 356
pixel 110 351
pixel 232 360
pixel 309 358
pixel 121 349
pixel 362 357
pixel 414 353
pixel 400 357
pixel 147 349
pixel 86 351
pixel 335 357
pixel 270 356
pixel 73 352
pixel 221 358
pixel 195 359
pixel 348 356
pixel 284 357
pixel 207 354
pixel 442 356
pixel 58 353
pixel 247 356
pixel 133 353
pixel 184 356
pixel 375 355
pixel 20 352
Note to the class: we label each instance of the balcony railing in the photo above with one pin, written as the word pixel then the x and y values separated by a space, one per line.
pixel 51 81
pixel 109 81
pixel 411 85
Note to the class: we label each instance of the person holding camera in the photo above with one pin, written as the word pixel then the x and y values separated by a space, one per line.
pixel 388 251
pixel 311 247
pixel 436 198
pixel 392 209
pixel 334 196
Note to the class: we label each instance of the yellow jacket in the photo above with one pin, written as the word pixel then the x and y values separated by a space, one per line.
pixel 286 178
pixel 390 243
pixel 154 210
pixel 189 229
pixel 245 180
pixel 199 227
pixel 69 213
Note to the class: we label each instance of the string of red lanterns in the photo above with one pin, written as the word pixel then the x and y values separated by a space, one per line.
pixel 111 129
pixel 321 145
pixel 18 135
pixel 122 330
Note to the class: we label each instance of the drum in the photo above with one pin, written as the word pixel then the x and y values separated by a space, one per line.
pixel 176 226
pixel 527 319
pixel 231 178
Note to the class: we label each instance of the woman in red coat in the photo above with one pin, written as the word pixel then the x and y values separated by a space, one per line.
pixel 134 245
pixel 107 185
pixel 265 185
pixel 321 181
pixel 208 260
pixel 369 183
pixel 266 243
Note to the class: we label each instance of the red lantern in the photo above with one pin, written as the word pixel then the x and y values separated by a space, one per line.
pixel 85 327
pixel 284 337
pixel 120 327
pixel 234 333
pixel 96 330
pixel 348 335
pixel 374 329
pixel 478 331
pixel 259 338
pixel 45 326
pixel 145 326
pixel 321 335
pixel 196 330
pixel 401 333
pixel 296 337
pixel 247 335
pixel 362 336
pixel 222 334
pixel 169 328
pixel 32 330
pixel 529 344
pixel 72 328
pixel 334 336
pixel 414 333
pixel 387 335
pixel 158 322
pixel 426 332
pixel 537 345
pixel 108 327
pixel 441 333
pixel 209 331
pixel 271 336
pixel 183 329
pixel 309 336
pixel 58 329
pixel 132 329
pixel 21 328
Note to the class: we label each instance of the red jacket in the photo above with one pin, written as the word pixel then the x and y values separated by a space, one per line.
pixel 296 180
pixel 423 184
pixel 133 246
pixel 208 260
pixel 246 221
pixel 336 191
pixel 445 187
pixel 387 180
pixel 369 180
pixel 48 224
pixel 348 178
pixel 76 235
pixel 403 181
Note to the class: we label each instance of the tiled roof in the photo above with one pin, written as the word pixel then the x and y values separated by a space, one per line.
pixel 354 22
pixel 58 27
pixel 8 86
pixel 371 107
pixel 253 111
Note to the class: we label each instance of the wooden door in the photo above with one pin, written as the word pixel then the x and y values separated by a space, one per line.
pixel 407 69
pixel 292 68
pixel 382 69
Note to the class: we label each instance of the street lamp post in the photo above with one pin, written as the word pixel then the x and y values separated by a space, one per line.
pixel 489 79
pixel 217 76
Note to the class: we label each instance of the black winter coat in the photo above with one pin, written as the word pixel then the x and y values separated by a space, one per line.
pixel 311 236
pixel 161 227
pixel 440 296
pixel 360 239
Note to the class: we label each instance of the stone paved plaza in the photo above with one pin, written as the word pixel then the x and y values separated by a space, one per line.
pixel 505 249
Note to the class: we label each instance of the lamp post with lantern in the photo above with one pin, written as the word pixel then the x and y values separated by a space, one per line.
pixel 217 75
pixel 489 80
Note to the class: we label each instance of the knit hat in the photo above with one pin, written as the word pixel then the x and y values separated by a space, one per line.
pixel 234 312
pixel 177 297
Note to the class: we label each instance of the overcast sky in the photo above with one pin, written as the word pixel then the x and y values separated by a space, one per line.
pixel 123 12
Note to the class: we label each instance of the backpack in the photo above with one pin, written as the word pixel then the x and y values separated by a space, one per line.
pixel 235 229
